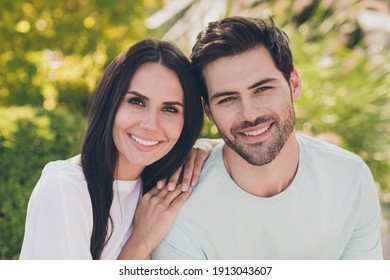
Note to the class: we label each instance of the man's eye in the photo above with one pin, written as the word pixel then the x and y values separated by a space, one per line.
pixel 262 89
pixel 226 100
pixel 135 101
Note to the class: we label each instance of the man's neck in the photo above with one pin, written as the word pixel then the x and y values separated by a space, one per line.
pixel 266 180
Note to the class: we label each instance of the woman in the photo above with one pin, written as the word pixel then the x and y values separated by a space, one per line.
pixel 145 117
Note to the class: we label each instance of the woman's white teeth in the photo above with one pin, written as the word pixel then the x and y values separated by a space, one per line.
pixel 144 142
pixel 257 132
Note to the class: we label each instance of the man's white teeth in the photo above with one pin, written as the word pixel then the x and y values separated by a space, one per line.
pixel 257 132
pixel 144 142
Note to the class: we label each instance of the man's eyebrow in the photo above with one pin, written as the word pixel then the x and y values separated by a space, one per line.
pixel 262 82
pixel 222 93
pixel 228 93
pixel 170 103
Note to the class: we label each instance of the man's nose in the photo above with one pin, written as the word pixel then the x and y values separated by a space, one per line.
pixel 249 109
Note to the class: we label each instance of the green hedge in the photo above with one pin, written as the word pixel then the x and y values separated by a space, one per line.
pixel 29 138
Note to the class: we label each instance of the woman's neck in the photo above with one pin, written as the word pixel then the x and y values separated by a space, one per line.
pixel 128 173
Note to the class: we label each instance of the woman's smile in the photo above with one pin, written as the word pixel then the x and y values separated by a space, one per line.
pixel 150 118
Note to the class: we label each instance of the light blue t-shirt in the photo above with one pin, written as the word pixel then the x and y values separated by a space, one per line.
pixel 329 211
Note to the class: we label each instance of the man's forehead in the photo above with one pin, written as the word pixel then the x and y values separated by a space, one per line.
pixel 239 71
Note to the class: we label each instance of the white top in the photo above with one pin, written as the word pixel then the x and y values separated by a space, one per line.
pixel 329 211
pixel 59 215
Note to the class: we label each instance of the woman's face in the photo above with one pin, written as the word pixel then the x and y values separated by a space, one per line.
pixel 149 120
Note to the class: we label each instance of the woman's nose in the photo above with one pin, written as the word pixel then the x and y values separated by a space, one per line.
pixel 149 120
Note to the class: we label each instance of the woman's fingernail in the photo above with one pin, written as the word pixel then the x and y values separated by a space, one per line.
pixel 171 186
pixel 184 187
pixel 160 184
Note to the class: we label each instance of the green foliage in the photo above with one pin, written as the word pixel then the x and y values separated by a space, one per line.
pixel 29 138
pixel 350 101
pixel 46 44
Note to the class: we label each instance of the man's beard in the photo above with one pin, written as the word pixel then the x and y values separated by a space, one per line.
pixel 264 152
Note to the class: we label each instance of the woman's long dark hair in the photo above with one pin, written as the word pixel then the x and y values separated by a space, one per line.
pixel 99 154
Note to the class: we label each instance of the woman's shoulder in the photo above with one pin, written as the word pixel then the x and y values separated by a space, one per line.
pixel 70 167
pixel 63 174
pixel 61 178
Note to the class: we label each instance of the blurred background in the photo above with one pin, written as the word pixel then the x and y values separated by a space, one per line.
pixel 52 53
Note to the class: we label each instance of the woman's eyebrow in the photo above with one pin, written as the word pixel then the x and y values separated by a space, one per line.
pixel 173 103
pixel 170 103
pixel 134 92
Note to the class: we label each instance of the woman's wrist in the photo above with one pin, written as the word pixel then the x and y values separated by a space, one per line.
pixel 135 250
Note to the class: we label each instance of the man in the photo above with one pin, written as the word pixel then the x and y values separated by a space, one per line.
pixel 268 192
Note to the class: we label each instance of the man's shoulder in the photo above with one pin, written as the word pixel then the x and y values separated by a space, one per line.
pixel 208 189
pixel 325 149
pixel 331 159
pixel 214 164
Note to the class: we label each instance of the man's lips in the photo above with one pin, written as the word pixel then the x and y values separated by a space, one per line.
pixel 255 131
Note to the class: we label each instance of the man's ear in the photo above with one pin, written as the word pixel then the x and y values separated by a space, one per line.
pixel 207 110
pixel 295 83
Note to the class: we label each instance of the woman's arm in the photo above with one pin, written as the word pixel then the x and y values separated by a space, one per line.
pixel 190 171
pixel 152 222
pixel 159 207
pixel 59 216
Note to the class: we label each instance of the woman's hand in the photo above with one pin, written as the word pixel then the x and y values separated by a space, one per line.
pixel 190 171
pixel 152 221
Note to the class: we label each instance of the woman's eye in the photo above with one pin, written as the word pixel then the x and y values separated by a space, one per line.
pixel 135 101
pixel 171 110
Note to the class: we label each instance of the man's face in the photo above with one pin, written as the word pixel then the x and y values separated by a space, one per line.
pixel 251 103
